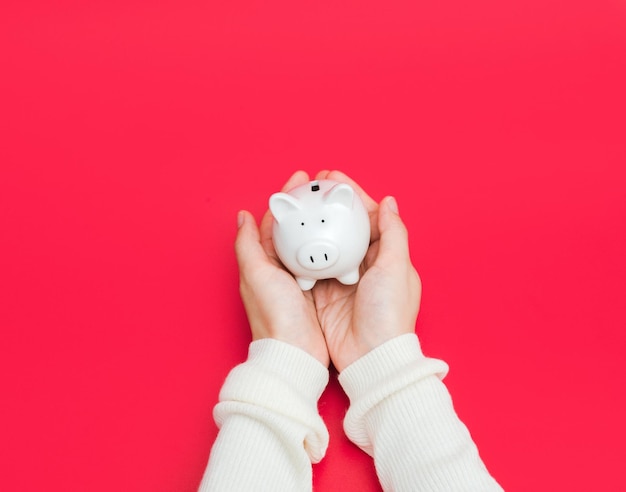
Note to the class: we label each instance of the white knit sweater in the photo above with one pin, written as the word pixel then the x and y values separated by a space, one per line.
pixel 400 413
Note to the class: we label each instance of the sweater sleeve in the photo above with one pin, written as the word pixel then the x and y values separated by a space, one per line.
pixel 270 428
pixel 401 414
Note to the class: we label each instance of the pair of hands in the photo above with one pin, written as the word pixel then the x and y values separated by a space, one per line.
pixel 332 321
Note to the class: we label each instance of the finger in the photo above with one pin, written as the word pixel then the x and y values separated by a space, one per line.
pixel 394 237
pixel 296 179
pixel 322 174
pixel 266 232
pixel 248 249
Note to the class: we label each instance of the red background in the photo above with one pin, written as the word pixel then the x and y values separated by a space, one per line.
pixel 132 132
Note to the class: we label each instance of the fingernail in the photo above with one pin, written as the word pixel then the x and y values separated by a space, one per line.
pixel 393 205
pixel 240 219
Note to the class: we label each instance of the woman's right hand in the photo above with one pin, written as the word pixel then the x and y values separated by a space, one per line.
pixel 385 302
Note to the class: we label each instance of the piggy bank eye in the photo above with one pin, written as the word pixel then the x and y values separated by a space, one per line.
pixel 323 221
pixel 301 223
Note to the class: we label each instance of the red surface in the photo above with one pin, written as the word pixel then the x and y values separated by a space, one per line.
pixel 132 132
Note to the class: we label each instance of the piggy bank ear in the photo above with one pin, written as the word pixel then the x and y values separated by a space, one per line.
pixel 282 204
pixel 341 194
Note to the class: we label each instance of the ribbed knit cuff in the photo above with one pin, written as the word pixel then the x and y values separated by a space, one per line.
pixel 386 370
pixel 279 384
pixel 378 365
pixel 291 364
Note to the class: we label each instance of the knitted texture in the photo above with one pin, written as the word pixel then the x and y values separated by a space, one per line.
pixel 401 414
pixel 270 429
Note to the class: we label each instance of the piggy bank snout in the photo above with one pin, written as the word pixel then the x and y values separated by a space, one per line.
pixel 317 255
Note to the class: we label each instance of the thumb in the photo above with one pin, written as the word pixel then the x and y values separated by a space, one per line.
pixel 248 247
pixel 394 238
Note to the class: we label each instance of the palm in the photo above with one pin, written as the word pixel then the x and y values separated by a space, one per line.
pixel 340 307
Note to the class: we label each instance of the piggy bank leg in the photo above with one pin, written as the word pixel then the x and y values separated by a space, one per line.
pixel 350 278
pixel 305 283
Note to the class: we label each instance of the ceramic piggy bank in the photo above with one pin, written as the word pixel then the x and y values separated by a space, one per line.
pixel 321 230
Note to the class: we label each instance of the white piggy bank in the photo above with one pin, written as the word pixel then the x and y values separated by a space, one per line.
pixel 321 230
